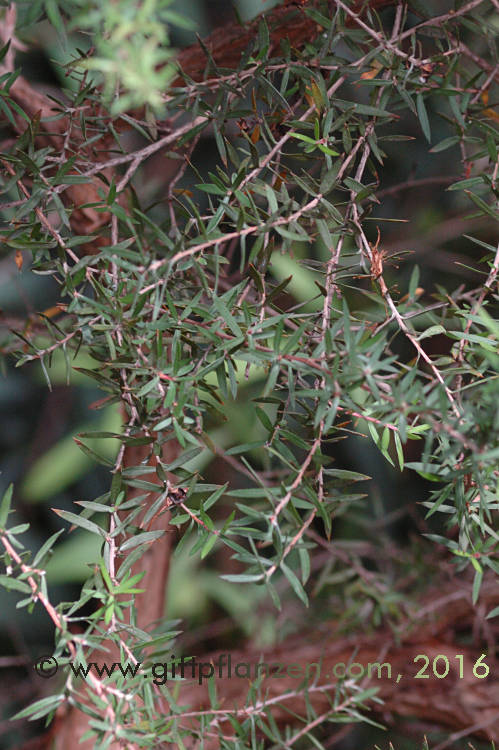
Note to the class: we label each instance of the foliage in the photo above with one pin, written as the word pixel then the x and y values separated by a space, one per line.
pixel 263 277
pixel 127 43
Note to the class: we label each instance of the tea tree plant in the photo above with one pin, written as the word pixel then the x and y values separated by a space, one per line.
pixel 257 272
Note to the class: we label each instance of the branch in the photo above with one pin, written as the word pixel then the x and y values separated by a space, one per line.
pixel 466 704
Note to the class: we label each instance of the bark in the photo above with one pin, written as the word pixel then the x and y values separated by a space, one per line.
pixel 460 703
pixel 287 21
pixel 70 724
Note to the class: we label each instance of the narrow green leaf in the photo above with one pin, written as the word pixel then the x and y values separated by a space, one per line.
pixel 477 582
pixel 40 708
pixel 13 584
pixel 5 505
pixel 45 548
pixel 143 538
pixel 295 583
pixel 80 521
pixel 423 116
pixel 242 577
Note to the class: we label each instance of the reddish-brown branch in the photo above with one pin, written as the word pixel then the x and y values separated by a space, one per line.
pixel 227 43
pixel 460 703
pixel 70 724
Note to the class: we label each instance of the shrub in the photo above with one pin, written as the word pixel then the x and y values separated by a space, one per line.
pixel 255 270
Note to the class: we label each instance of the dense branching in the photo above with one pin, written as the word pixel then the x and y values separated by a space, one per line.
pixel 256 271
